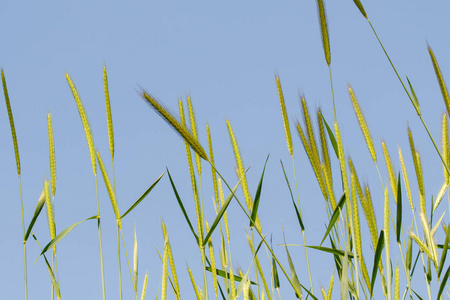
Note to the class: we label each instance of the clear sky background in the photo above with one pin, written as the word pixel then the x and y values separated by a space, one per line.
pixel 224 55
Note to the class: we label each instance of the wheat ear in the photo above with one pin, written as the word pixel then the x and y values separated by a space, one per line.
pixel 182 130
pixel 287 130
pixel 84 121
pixel 324 31
pixel 109 188
pixel 362 124
pixel 390 169
pixel 440 78
pixel 405 177
pixel 11 123
pixel 108 113
pixel 51 147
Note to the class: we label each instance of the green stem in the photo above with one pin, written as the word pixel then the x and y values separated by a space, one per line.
pixel 118 255
pixel 24 242
pixel 99 229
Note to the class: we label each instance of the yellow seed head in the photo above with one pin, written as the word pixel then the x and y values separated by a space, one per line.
pixel 182 130
pixel 11 123
pixel 405 177
pixel 390 170
pixel 108 113
pixel 441 81
pixel 324 31
pixel 363 124
pixel 84 121
pixel 445 150
pixel 287 130
pixel 51 146
pixel 111 194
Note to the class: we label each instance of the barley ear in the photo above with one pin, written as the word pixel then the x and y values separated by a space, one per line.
pixel 51 146
pixel 181 130
pixel 287 130
pixel 362 124
pixel 213 260
pixel 50 215
pixel 241 173
pixel 390 170
pixel 342 160
pixel 324 31
pixel 84 121
pixel 405 178
pixel 11 123
pixel 213 169
pixel 164 271
pixel 144 286
pixel 111 194
pixel 360 7
pixel 194 133
pixel 445 150
pixel 442 85
pixel 108 113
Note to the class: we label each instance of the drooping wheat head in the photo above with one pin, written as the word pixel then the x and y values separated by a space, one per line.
pixel 324 31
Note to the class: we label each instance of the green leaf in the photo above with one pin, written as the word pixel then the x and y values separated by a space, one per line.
pixel 414 99
pixel 258 196
pixel 63 233
pixel 295 282
pixel 143 196
pixel 377 258
pixel 297 212
pixel 443 283
pixel 332 138
pixel 53 279
pixel 180 203
pixel 334 217
pixel 399 209
pixel 444 251
pixel 38 210
pixel 224 274
pixel 220 214
pixel 276 279
pixel 331 250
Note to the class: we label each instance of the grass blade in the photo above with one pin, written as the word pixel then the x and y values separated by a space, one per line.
pixel 53 279
pixel 334 217
pixel 443 283
pixel 143 195
pixel 180 203
pixel 331 250
pixel 220 214
pixel 332 138
pixel 297 212
pixel 37 211
pixel 444 251
pixel 257 197
pixel 377 258
pixel 62 234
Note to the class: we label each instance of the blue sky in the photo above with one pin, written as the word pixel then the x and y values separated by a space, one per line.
pixel 224 56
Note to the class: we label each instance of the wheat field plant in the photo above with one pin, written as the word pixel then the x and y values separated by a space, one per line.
pixel 350 200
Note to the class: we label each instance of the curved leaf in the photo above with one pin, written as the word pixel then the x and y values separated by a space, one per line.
pixel 143 195
pixel 258 196
pixel 38 210
pixel 63 233
pixel 334 217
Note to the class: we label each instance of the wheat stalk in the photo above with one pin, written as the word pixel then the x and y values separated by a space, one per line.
pixel 445 150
